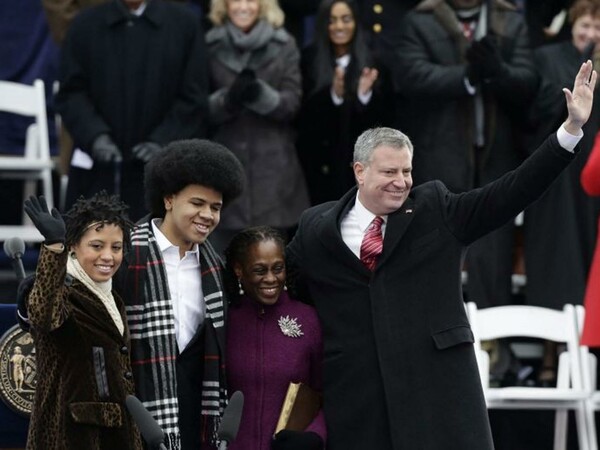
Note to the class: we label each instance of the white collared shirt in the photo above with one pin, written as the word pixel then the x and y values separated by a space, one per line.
pixel 355 224
pixel 185 286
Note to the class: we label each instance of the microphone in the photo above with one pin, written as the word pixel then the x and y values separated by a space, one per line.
pixel 230 423
pixel 149 428
pixel 14 249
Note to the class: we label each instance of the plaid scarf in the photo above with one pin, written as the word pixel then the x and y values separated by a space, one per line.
pixel 153 343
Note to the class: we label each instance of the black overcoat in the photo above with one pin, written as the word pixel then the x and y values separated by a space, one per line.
pixel 400 370
pixel 565 216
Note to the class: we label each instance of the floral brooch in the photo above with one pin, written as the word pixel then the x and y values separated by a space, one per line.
pixel 289 327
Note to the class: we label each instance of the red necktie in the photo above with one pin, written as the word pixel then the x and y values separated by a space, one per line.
pixel 372 244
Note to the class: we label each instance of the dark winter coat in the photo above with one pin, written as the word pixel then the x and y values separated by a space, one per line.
pixel 565 217
pixel 135 78
pixel 327 132
pixel 83 368
pixel 261 134
pixel 437 110
pixel 400 371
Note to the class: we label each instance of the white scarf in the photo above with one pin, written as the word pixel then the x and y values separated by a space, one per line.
pixel 101 290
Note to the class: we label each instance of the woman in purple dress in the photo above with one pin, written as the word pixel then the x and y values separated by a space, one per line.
pixel 272 340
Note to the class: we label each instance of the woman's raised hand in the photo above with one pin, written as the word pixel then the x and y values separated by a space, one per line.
pixel 367 79
pixel 50 224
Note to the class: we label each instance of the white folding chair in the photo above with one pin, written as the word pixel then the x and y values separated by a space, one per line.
pixel 543 323
pixel 35 165
pixel 589 366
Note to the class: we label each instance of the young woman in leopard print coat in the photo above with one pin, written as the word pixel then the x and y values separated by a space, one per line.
pixel 80 331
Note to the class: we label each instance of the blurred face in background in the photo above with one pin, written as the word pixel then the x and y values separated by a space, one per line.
pixel 243 13
pixel 341 27
pixel 585 31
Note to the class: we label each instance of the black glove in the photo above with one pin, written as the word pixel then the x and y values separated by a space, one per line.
pixel 52 226
pixel 237 91
pixel 473 74
pixel 104 150
pixel 297 440
pixel 252 92
pixel 145 151
pixel 485 56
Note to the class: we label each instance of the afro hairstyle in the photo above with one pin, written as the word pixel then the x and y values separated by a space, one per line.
pixel 192 162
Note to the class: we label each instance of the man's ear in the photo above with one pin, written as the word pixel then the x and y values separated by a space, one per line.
pixel 359 172
pixel 168 202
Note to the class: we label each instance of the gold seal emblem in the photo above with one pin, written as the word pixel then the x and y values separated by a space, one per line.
pixel 17 370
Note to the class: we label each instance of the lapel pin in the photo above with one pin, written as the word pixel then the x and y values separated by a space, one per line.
pixel 408 211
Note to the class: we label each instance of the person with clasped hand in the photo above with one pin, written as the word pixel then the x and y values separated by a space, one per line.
pixel 272 340
pixel 399 366
pixel 255 93
pixel 79 329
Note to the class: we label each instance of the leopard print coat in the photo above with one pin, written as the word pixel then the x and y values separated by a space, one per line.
pixel 83 367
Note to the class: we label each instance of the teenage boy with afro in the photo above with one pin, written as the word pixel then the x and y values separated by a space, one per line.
pixel 171 282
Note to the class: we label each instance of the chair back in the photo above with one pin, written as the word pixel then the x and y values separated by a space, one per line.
pixel 35 164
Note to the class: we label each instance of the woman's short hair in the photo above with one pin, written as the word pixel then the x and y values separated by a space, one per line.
pixel 101 209
pixel 269 10
pixel 582 8
pixel 188 162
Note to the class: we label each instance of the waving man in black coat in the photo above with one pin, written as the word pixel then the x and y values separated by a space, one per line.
pixel 399 369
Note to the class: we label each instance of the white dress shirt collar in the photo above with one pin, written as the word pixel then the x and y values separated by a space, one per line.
pixel 364 217
pixel 164 243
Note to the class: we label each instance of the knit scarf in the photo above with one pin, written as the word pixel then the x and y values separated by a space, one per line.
pixel 100 290
pixel 259 36
pixel 153 343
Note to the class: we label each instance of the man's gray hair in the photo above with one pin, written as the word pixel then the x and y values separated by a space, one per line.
pixel 372 138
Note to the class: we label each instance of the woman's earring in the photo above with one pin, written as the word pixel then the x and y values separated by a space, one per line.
pixel 284 287
pixel 241 289
pixel 73 255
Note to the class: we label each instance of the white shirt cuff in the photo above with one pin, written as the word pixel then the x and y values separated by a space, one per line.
pixel 335 99
pixel 365 98
pixel 567 140
pixel 469 87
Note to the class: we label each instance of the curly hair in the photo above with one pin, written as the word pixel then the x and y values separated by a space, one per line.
pixel 269 10
pixel 101 208
pixel 193 161
pixel 237 252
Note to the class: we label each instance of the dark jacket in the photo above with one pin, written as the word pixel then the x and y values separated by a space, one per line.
pixel 327 132
pixel 83 368
pixel 437 112
pixel 565 217
pixel 400 371
pixel 135 78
